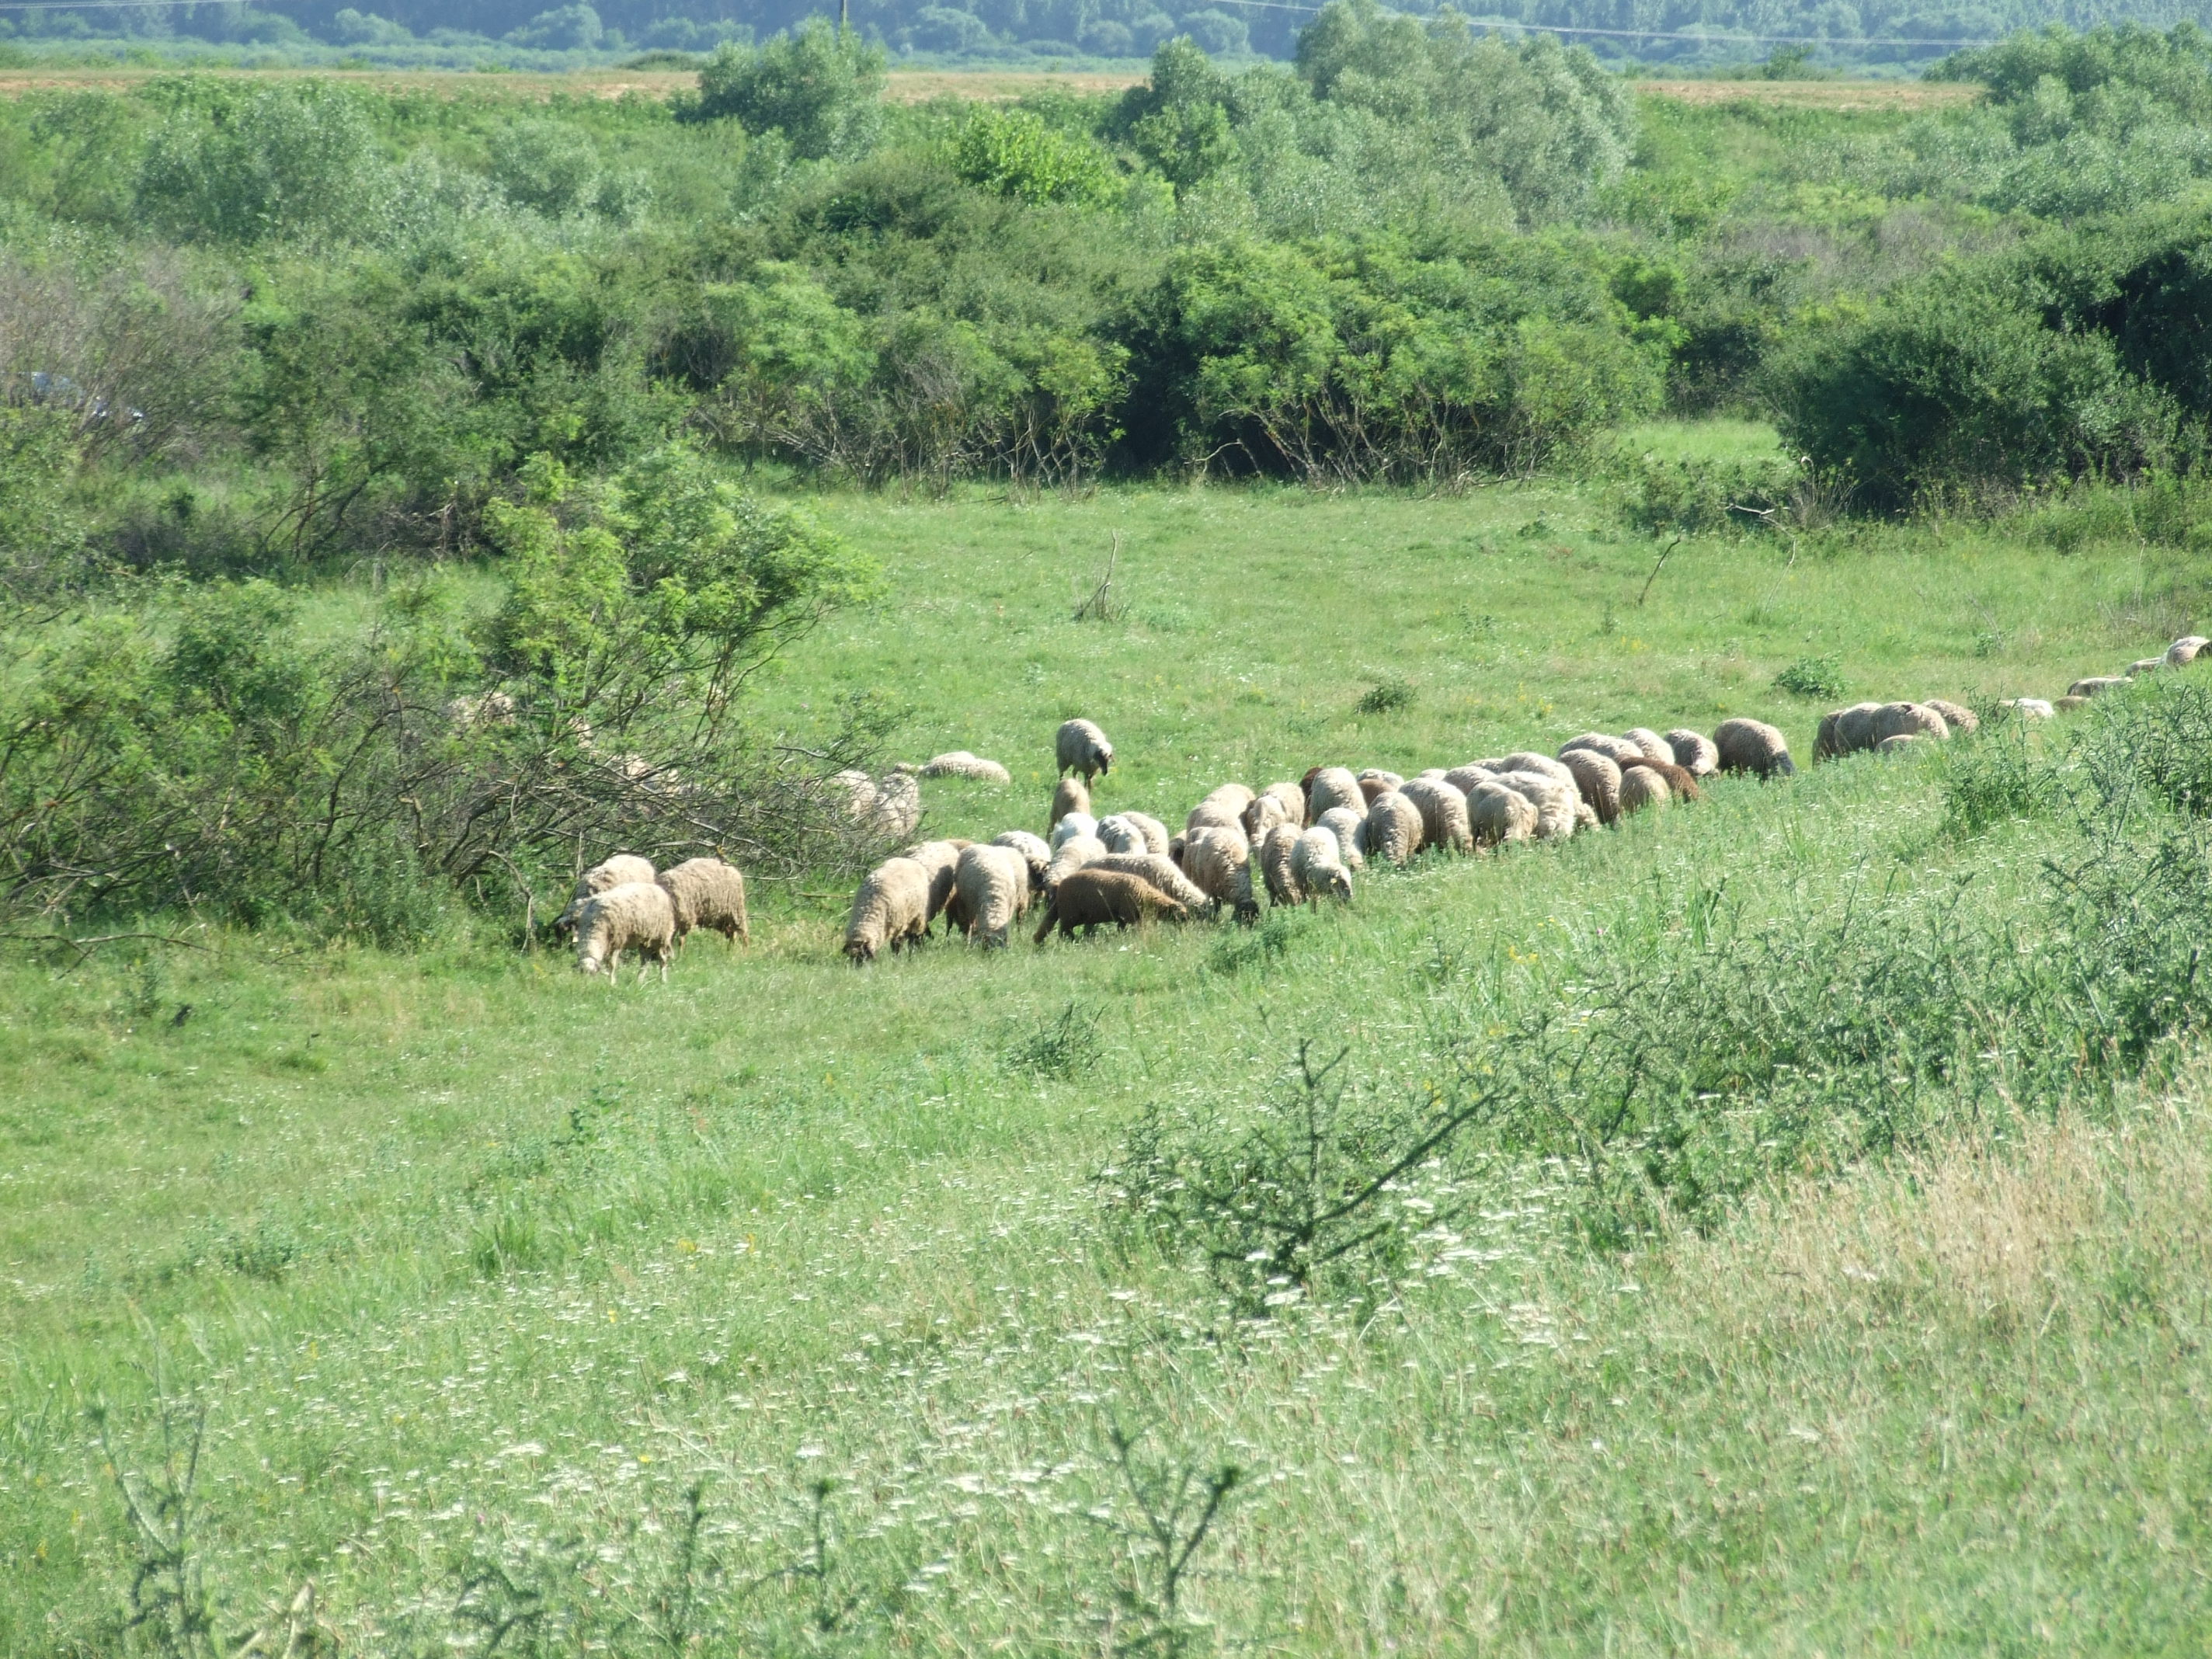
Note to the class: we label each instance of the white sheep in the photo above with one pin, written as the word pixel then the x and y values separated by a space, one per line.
pixel 1075 823
pixel 622 868
pixel 1597 780
pixel 1444 814
pixel 1554 799
pixel 1497 813
pixel 637 915
pixel 1654 746
pixel 2142 665
pixel 1275 865
pixel 1219 862
pixel 1036 852
pixel 1346 824
pixel 1222 809
pixel 1317 866
pixel 2028 708
pixel 1159 869
pixel 707 893
pixel 1374 781
pixel 856 790
pixel 1641 787
pixel 992 888
pixel 1907 718
pixel 1748 745
pixel 1956 715
pixel 2094 684
pixel 1525 760
pixel 896 811
pixel 940 859
pixel 1694 753
pixel 1082 747
pixel 1328 787
pixel 890 913
pixel 1133 832
pixel 959 763
pixel 1070 855
pixel 1615 749
pixel 1155 832
pixel 2184 650
pixel 486 709
pixel 1394 827
pixel 1844 732
pixel 1464 778
pixel 1069 795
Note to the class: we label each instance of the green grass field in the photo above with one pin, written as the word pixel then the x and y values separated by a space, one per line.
pixel 480 1271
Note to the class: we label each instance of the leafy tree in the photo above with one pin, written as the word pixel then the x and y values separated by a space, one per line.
pixel 242 165
pixel 1013 152
pixel 821 88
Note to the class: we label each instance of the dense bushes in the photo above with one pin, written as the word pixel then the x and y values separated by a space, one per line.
pixel 206 752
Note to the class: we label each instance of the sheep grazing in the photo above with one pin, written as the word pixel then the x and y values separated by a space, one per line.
pixel 1497 813
pixel 2145 665
pixel 1753 746
pixel 1524 759
pixel 962 764
pixel 1680 785
pixel 1331 787
pixel 992 890
pixel 1554 799
pixel 1343 823
pixel 1072 855
pixel 1278 803
pixel 635 915
pixel 1158 869
pixel 1275 854
pixel 1222 809
pixel 1036 852
pixel 2070 702
pixel 2184 650
pixel 1074 824
pixel 1956 715
pixel 1898 743
pixel 1694 753
pixel 616 872
pixel 2027 709
pixel 1219 864
pixel 1317 866
pixel 941 859
pixel 1464 778
pixel 1154 832
pixel 1641 786
pixel 1615 749
pixel 1069 795
pixel 707 893
pixel 1082 747
pixel 1444 814
pixel 1654 746
pixel 1120 835
pixel 890 912
pixel 1597 780
pixel 2095 684
pixel 1394 827
pixel 1373 783
pixel 896 812
pixel 857 790
pixel 1843 732
pixel 1090 898
pixel 1907 718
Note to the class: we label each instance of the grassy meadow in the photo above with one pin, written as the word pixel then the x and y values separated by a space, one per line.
pixel 786 1307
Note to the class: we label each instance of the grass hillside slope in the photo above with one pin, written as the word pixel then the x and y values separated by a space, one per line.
pixel 1815 1266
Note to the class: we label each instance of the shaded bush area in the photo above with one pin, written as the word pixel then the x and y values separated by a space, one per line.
pixel 205 753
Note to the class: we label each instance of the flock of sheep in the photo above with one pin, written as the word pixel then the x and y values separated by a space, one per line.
pixel 1306 838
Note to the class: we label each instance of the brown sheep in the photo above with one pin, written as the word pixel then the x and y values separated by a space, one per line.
pixel 1753 746
pixel 1090 898
pixel 1068 795
pixel 1681 783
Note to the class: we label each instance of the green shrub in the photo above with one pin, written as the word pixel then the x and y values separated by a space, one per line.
pixel 1812 677
pixel 1013 152
pixel 820 86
